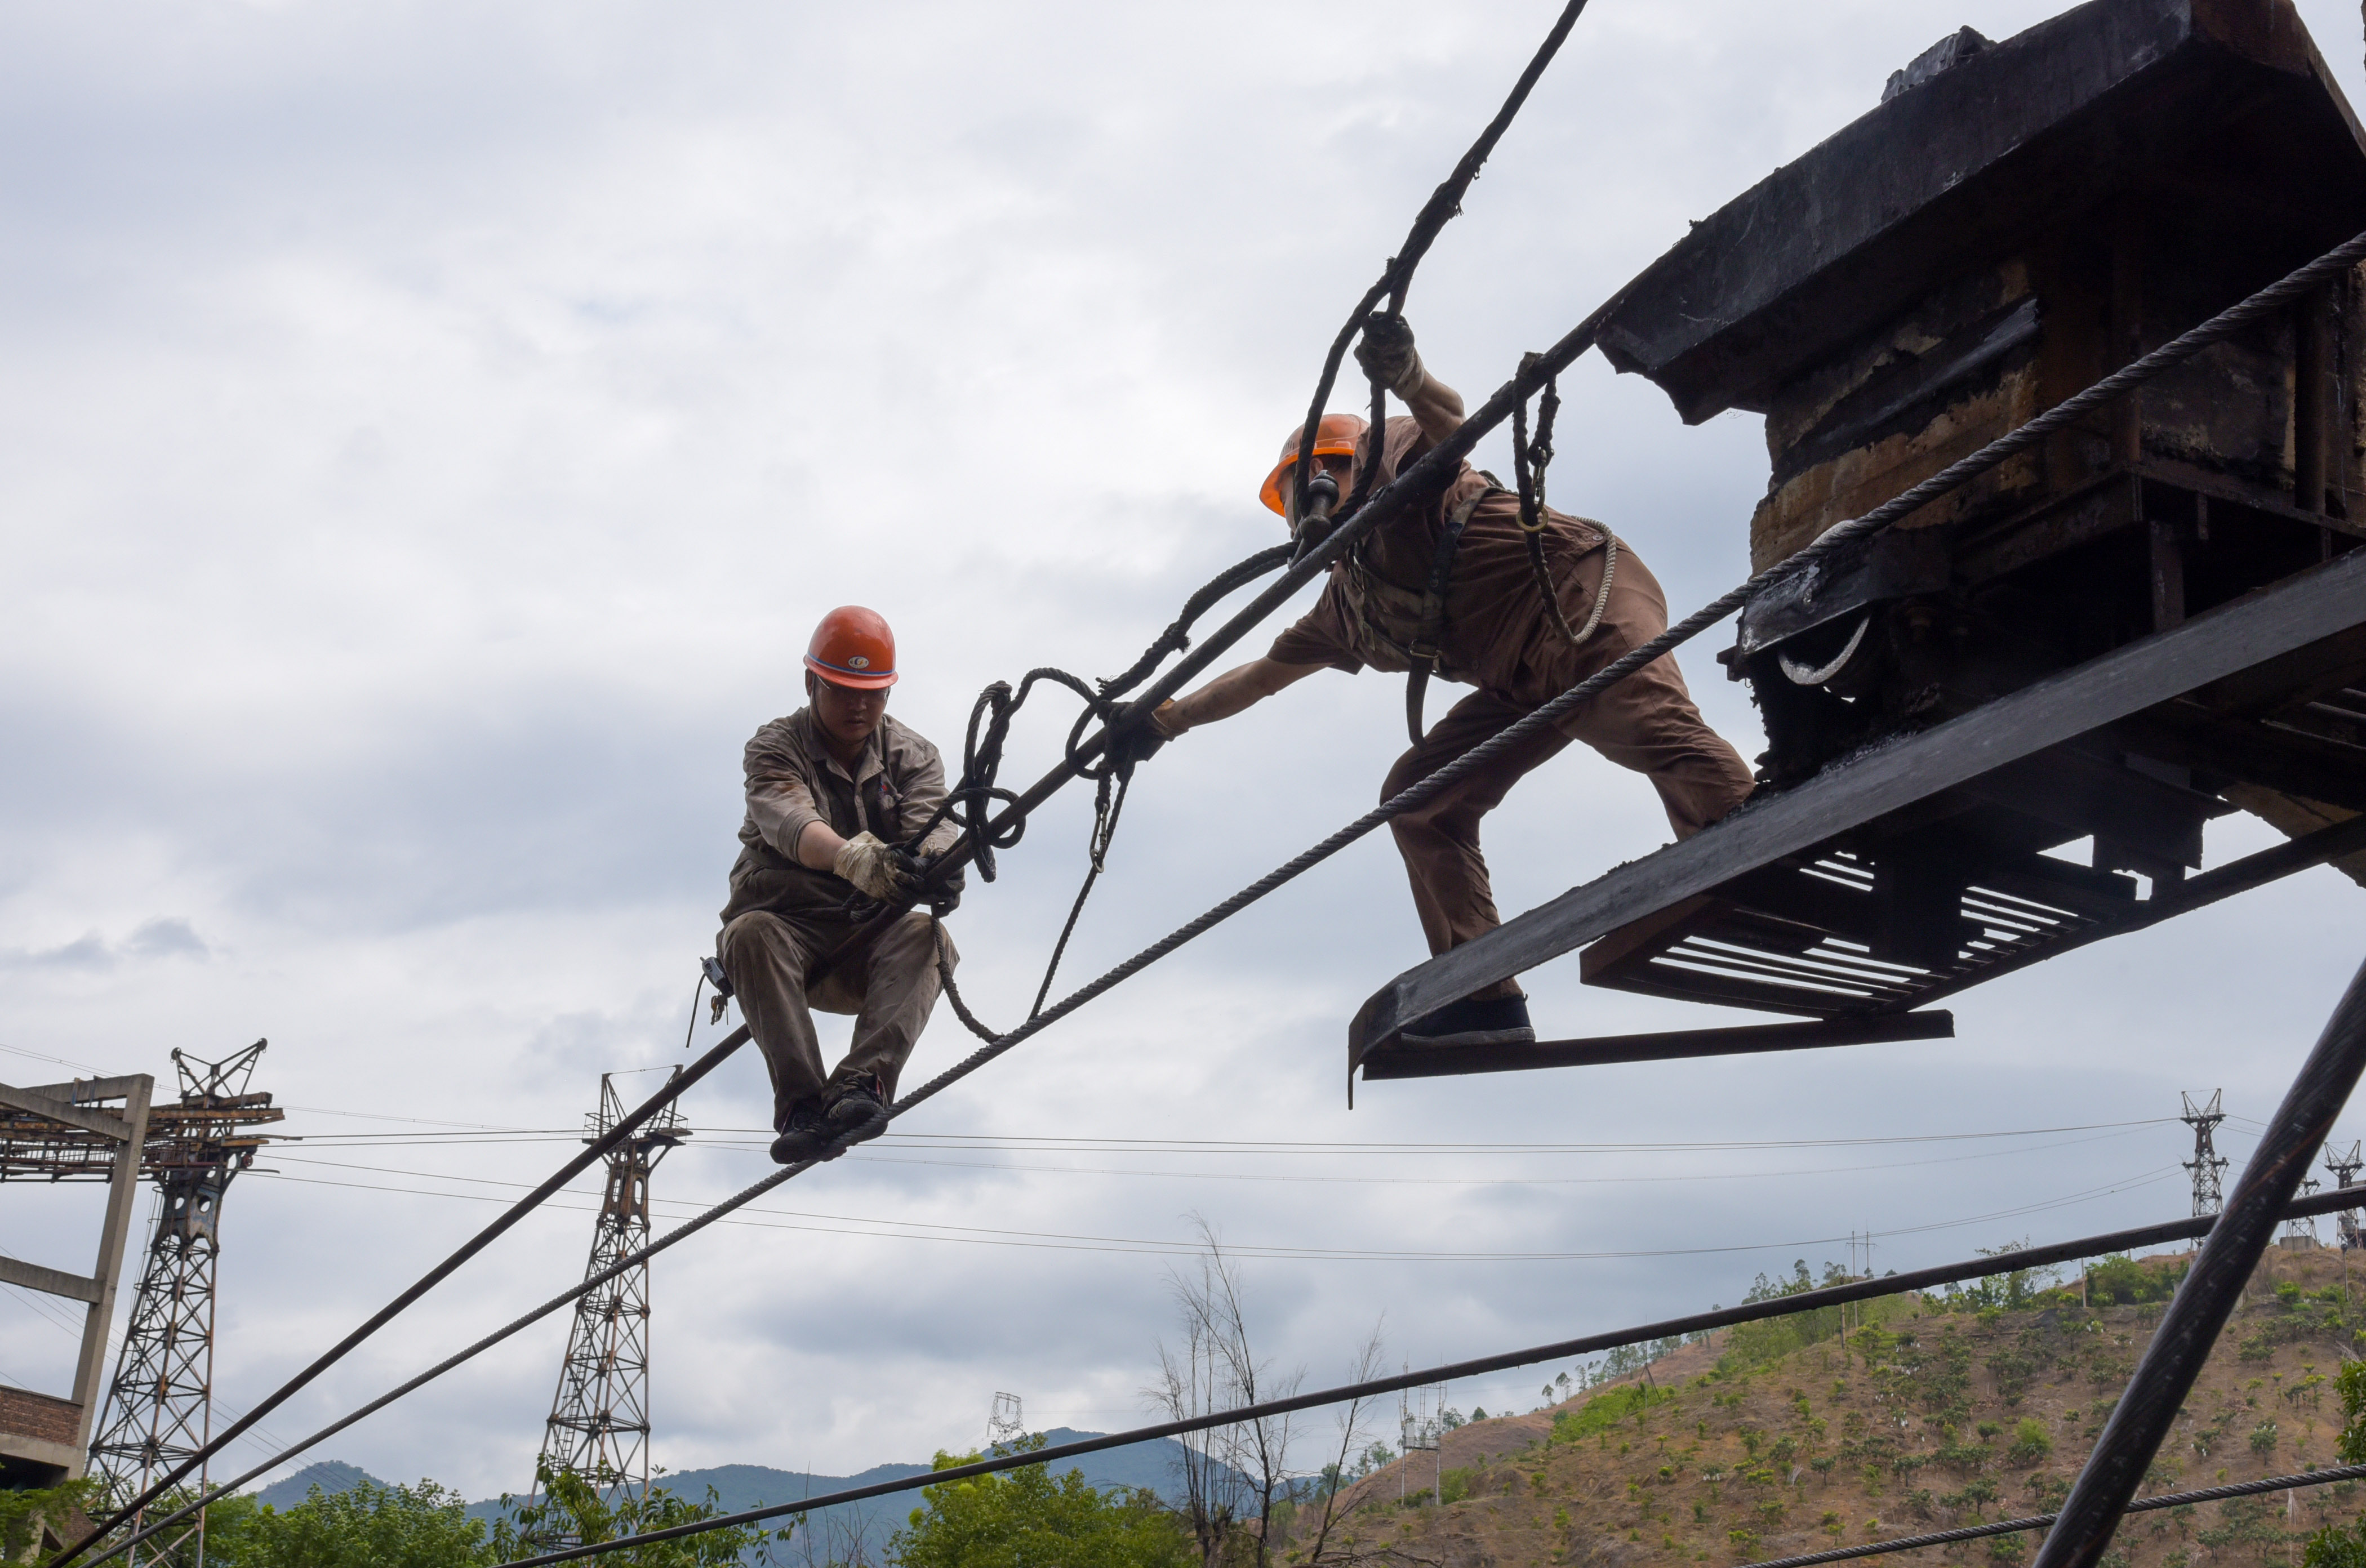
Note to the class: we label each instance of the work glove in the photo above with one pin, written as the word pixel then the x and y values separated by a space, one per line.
pixel 1387 354
pixel 1139 742
pixel 879 871
pixel 948 894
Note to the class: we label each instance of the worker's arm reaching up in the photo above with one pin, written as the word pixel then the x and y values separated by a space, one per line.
pixel 1241 686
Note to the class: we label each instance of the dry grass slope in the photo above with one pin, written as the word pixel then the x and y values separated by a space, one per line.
pixel 1930 1414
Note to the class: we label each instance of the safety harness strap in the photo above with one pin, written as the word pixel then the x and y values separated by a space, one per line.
pixel 1424 651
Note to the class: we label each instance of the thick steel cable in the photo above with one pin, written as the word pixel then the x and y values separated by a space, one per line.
pixel 1440 209
pixel 1699 1322
pixel 2044 1521
pixel 594 1151
pixel 1429 471
pixel 1444 203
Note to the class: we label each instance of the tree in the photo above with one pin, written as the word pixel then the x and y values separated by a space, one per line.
pixel 1024 1518
pixel 366 1526
pixel 2339 1546
pixel 1317 1538
pixel 1229 1471
pixel 32 1519
pixel 568 1506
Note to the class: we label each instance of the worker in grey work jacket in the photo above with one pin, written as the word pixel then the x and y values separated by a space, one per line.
pixel 1446 586
pixel 833 790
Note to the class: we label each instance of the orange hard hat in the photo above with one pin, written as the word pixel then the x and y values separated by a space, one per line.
pixel 1334 435
pixel 854 648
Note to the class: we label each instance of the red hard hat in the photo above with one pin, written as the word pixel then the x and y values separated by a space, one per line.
pixel 854 648
pixel 1335 435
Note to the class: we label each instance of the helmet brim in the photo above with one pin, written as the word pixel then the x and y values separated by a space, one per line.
pixel 856 679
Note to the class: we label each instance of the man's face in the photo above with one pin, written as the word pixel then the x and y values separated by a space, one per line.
pixel 846 714
pixel 1340 466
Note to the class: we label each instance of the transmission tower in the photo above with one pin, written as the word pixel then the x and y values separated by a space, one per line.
pixel 598 1425
pixel 2343 1166
pixel 2300 1231
pixel 2207 1163
pixel 1420 1426
pixel 1005 1425
pixel 159 1408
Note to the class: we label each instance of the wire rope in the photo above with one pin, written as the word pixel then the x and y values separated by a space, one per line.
pixel 1696 1323
pixel 1534 369
pixel 2043 1522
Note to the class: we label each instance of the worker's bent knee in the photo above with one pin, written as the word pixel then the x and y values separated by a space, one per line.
pixel 758 931
pixel 914 935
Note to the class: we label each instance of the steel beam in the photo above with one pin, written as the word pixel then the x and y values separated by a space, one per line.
pixel 122 1186
pixel 2323 603
pixel 2208 1295
pixel 1447 1062
pixel 51 1282
pixel 72 1115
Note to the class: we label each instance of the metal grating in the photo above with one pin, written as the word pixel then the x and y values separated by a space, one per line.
pixel 1797 940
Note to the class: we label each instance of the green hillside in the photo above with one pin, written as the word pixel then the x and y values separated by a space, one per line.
pixel 1920 1413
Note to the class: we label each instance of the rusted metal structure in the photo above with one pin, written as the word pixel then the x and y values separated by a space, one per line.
pixel 107 1130
pixel 2146 620
pixel 2156 618
pixel 159 1405
pixel 598 1425
pixel 91 1129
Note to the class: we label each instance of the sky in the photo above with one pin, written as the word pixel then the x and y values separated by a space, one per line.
pixel 428 433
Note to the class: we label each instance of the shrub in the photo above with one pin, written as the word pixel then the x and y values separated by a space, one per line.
pixel 2032 1443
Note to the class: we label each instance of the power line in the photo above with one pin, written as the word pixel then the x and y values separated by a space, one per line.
pixel 1015 1142
pixel 1696 1323
pixel 1478 1181
pixel 917 1230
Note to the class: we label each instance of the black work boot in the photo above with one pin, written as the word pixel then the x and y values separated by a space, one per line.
pixel 859 1114
pixel 1497 1021
pixel 805 1134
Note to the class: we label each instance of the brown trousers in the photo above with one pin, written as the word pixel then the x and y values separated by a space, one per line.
pixel 891 996
pixel 1645 722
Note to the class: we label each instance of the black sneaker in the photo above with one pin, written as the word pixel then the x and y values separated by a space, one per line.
pixel 859 1112
pixel 806 1135
pixel 1498 1020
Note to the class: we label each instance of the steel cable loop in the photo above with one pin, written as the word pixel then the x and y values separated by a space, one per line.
pixel 2044 1521
pixel 970 802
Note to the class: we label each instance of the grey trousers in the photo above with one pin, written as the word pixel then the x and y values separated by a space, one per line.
pixel 891 996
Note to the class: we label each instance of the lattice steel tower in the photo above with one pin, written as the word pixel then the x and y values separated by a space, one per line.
pixel 159 1409
pixel 2207 1163
pixel 599 1425
pixel 2344 1168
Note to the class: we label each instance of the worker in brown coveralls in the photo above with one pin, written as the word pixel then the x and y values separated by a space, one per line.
pixel 1496 635
pixel 832 791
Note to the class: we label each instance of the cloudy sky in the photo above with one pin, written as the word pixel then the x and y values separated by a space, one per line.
pixel 427 435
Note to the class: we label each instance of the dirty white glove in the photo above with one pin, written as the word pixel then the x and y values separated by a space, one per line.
pixel 878 871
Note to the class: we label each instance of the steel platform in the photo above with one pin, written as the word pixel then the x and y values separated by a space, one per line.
pixel 1915 868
